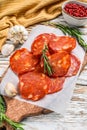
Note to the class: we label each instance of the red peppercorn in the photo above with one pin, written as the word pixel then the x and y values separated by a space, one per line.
pixel 76 10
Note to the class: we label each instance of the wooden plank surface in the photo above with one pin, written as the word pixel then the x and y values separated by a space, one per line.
pixel 76 115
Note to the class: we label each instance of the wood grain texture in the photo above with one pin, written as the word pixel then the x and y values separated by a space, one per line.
pixel 18 110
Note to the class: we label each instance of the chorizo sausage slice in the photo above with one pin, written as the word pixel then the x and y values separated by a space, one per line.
pixel 40 41
pixel 56 84
pixel 22 61
pixel 64 43
pixel 60 63
pixel 33 85
pixel 75 65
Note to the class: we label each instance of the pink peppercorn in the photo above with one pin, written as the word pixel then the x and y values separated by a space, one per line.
pixel 76 10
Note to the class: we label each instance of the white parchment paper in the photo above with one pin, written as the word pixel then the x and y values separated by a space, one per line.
pixel 58 101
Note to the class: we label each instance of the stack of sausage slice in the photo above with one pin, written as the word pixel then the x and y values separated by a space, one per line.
pixel 34 84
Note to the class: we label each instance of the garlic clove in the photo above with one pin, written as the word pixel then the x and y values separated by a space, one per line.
pixel 10 90
pixel 15 41
pixel 25 33
pixel 12 31
pixel 16 28
pixel 21 41
pixel 21 28
pixel 7 49
pixel 25 37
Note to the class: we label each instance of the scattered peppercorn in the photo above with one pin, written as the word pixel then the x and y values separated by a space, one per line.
pixel 76 10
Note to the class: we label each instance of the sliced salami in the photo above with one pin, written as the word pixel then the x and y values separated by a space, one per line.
pixel 65 43
pixel 40 41
pixel 75 65
pixel 33 85
pixel 56 85
pixel 22 61
pixel 60 63
pixel 38 69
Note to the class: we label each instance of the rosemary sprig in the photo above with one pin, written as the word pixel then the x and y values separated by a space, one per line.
pixel 3 117
pixel 47 66
pixel 72 31
pixel 2 109
pixel 2 105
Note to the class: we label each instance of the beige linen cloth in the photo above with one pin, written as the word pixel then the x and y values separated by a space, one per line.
pixel 26 12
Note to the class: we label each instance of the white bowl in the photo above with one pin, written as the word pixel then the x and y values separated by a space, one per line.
pixel 72 20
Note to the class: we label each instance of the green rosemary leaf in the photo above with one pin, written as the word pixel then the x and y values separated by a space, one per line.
pixel 49 69
pixel 2 105
pixel 77 31
pixel 15 125
pixel 61 28
pixel 47 66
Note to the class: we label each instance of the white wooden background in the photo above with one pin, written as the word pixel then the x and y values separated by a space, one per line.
pixel 76 115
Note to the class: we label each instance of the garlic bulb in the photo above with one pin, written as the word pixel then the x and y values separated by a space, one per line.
pixel 7 49
pixel 10 90
pixel 18 34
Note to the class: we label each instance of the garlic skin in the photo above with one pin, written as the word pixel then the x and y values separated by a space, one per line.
pixel 7 49
pixel 10 90
pixel 18 34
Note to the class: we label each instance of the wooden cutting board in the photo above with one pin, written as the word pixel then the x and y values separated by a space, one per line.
pixel 18 110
